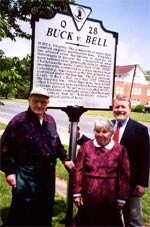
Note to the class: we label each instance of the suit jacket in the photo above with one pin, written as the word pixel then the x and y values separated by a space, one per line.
pixel 136 140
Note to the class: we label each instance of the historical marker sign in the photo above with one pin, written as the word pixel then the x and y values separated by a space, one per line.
pixel 74 59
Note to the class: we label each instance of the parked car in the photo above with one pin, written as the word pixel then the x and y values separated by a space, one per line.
pixel 146 109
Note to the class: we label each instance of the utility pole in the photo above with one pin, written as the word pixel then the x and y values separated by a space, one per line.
pixel 134 73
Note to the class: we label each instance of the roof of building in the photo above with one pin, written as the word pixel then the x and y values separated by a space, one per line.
pixel 124 69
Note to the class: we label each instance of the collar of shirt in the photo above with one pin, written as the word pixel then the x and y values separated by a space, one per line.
pixel 41 121
pixel 32 115
pixel 108 146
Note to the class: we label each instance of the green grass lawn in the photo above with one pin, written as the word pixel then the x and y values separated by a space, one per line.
pixel 60 202
pixel 2 126
pixel 59 206
pixel 142 117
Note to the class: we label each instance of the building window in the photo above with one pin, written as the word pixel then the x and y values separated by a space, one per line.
pixel 119 90
pixel 148 92
pixel 136 91
pixel 119 77
pixel 135 102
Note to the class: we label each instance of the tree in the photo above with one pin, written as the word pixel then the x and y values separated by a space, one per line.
pixel 9 82
pixel 3 27
pixel 15 76
pixel 148 75
pixel 24 70
pixel 14 10
pixel 15 73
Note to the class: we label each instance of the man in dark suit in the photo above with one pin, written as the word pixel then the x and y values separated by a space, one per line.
pixel 134 136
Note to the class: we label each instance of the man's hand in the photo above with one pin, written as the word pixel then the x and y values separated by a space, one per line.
pixel 69 165
pixel 78 131
pixel 120 206
pixel 11 180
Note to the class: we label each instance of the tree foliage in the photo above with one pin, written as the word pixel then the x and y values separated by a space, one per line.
pixel 148 75
pixel 4 26
pixel 14 76
pixel 13 11
pixel 15 73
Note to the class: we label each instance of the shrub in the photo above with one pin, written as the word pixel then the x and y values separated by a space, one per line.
pixel 138 108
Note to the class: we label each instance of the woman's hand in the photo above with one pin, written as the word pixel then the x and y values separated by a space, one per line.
pixel 78 201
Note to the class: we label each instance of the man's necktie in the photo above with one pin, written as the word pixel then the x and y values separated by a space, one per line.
pixel 116 134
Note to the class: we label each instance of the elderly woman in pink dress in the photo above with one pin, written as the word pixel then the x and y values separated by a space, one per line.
pixel 101 179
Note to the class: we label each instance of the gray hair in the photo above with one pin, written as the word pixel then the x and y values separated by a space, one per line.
pixel 121 97
pixel 103 122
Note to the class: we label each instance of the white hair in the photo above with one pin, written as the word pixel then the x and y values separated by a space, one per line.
pixel 103 122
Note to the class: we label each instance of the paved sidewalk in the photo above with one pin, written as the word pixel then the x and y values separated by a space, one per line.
pixel 61 187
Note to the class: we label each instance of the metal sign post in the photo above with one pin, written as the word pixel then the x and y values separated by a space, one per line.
pixel 134 73
pixel 74 113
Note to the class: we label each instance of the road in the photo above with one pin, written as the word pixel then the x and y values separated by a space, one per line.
pixel 10 109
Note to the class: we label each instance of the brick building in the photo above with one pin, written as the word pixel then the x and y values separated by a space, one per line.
pixel 131 81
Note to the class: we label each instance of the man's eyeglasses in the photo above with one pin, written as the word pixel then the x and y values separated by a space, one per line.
pixel 41 102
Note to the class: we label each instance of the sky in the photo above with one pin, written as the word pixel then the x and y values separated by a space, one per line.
pixel 129 18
